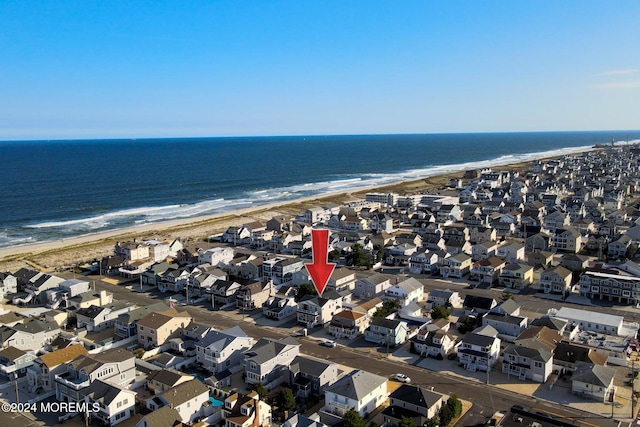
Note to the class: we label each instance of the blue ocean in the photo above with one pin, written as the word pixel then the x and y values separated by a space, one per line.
pixel 59 189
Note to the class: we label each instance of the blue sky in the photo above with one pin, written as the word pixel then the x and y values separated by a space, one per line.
pixel 104 69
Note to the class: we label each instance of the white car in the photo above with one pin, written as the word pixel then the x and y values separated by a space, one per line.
pixel 402 378
pixel 328 343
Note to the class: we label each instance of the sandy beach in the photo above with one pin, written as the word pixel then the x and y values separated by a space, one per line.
pixel 61 254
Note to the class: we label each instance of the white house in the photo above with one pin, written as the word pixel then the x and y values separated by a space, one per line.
pixel 359 390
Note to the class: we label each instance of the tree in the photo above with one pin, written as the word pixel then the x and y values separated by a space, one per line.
pixel 467 324
pixel 455 404
pixel 440 312
pixel 359 256
pixel 351 418
pixel 431 422
pixel 305 289
pixel 445 415
pixel 334 255
pixel 286 400
pixel 407 422
pixel 261 390
pixel 388 307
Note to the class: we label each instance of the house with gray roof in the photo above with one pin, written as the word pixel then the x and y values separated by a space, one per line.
pixel 187 399
pixel 360 390
pixel 416 403
pixel 593 382
pixel 161 380
pixel 116 403
pixel 221 350
pixel 318 310
pixel 478 351
pixel 390 332
pixel 310 376
pixel 526 363
pixel 268 361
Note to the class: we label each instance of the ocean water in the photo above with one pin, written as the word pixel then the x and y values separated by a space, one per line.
pixel 61 189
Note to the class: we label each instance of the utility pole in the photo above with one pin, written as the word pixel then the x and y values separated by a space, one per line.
pixel 633 392
pixel 17 391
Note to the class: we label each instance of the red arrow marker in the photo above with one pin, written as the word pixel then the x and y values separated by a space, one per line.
pixel 320 270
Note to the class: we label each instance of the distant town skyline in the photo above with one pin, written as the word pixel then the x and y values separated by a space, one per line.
pixel 74 70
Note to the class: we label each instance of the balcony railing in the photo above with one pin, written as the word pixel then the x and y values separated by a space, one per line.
pixel 73 383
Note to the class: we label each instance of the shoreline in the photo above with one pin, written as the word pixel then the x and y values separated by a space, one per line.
pixel 71 251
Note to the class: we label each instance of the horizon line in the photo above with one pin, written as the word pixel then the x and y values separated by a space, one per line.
pixel 151 138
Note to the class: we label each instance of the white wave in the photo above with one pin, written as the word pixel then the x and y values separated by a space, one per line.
pixel 258 197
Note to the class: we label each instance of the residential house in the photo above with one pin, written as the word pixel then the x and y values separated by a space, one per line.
pixel 267 361
pixel 538 242
pixel 348 324
pixel 487 271
pixel 483 250
pixel 617 288
pixel 279 223
pixel 246 411
pixel 361 391
pixel 567 240
pixel 422 262
pixel 157 327
pixel 478 304
pixel 30 335
pixel 236 235
pixel 279 307
pixel 593 382
pixel 223 293
pixel 525 363
pixel 318 311
pixel 187 399
pixel 433 339
pixel 41 375
pixel 310 376
pixel 455 266
pixel 618 246
pixel 511 252
pixel 14 362
pixel 161 380
pixel 508 327
pixel 479 351
pixel 131 251
pixel 592 321
pixel 371 286
pixel 479 234
pixel 516 276
pixel 218 257
pixel 116 366
pixel 389 332
pixel 115 403
pixel 253 294
pixel 574 262
pixel 540 258
pixel 556 280
pixel 221 350
pixel 95 318
pixel 412 402
pixel 406 292
pixel 444 297
pixel 126 324
pixel 8 283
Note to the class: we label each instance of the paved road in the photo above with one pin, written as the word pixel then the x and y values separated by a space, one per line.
pixel 486 399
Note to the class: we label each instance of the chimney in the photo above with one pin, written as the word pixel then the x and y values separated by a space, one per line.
pixel 103 297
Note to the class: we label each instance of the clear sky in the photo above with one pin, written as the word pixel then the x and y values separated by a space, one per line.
pixel 104 69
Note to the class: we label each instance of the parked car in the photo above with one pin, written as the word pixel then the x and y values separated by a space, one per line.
pixel 328 343
pixel 402 378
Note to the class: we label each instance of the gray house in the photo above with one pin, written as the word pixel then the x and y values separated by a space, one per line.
pixel 268 361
